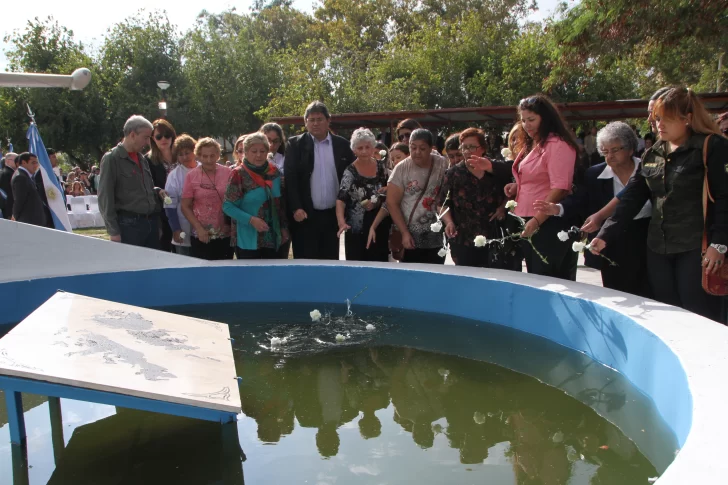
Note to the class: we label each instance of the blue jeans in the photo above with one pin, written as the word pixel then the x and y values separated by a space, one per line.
pixel 139 230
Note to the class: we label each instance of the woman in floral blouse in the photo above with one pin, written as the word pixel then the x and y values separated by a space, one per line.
pixel 253 200
pixel 360 196
pixel 475 199
pixel 202 197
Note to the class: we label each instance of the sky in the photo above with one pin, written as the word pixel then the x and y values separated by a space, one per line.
pixel 89 21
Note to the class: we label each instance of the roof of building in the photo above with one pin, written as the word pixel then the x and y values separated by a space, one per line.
pixel 583 111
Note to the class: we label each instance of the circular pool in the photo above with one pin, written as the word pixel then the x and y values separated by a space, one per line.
pixel 674 358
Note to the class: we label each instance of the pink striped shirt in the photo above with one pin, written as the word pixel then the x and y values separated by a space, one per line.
pixel 549 166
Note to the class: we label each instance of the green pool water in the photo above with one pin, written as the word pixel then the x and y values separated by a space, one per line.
pixel 417 399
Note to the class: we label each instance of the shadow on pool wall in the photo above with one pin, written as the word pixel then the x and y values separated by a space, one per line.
pixel 573 315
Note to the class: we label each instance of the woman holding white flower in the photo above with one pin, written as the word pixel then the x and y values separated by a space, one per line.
pixel 183 151
pixel 253 199
pixel 202 197
pixel 472 200
pixel 360 196
pixel 544 170
pixel 617 143
pixel 413 186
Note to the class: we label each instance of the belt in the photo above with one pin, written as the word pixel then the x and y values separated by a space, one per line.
pixel 135 215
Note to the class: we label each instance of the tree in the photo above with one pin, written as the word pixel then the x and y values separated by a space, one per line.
pixel 137 53
pixel 672 43
pixel 67 120
pixel 228 75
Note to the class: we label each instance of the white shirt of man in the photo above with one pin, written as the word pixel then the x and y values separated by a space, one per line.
pixel 324 180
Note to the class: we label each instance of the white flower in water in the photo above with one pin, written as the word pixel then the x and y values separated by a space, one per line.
pixel 437 428
pixel 340 338
pixel 167 200
pixel 563 236
pixel 370 327
pixel 578 246
pixel 558 437
pixel 443 372
pixel 506 152
pixel 571 454
pixel 277 341
pixel 382 153
pixel 436 226
pixel 315 315
pixel 480 241
pixel 442 252
pixel 182 235
pixel 511 204
pixel 479 417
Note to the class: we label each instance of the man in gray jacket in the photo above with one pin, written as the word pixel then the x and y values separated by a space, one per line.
pixel 128 200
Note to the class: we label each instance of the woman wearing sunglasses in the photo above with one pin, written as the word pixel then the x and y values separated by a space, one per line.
pixel 405 129
pixel 161 162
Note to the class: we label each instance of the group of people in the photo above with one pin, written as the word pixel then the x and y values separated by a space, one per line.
pixel 413 204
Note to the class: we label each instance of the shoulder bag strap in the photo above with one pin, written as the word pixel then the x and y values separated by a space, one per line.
pixel 422 194
pixel 706 193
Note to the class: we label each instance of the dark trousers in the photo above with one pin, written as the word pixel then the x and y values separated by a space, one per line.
pixel 419 255
pixel 356 244
pixel 630 255
pixel 561 259
pixel 215 250
pixel 469 255
pixel 260 253
pixel 139 230
pixel 181 250
pixel 315 237
pixel 676 279
pixel 284 251
pixel 165 238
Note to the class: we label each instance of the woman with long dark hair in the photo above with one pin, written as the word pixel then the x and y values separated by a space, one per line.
pixel 544 170
pixel 161 163
pixel 672 178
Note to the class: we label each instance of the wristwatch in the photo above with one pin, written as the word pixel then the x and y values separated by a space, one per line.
pixel 722 249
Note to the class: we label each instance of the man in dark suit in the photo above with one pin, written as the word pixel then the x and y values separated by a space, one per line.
pixel 28 206
pixel 6 198
pixel 314 165
pixel 616 142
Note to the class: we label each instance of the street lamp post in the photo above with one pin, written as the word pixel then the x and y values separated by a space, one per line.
pixel 163 85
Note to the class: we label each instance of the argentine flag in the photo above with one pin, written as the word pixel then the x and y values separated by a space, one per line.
pixel 53 189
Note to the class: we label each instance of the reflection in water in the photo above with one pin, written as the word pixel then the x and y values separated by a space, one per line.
pixel 475 405
pixel 370 410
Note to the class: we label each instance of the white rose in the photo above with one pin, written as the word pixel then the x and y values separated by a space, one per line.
pixel 480 241
pixel 270 156
pixel 315 315
pixel 511 204
pixel 563 236
pixel 442 252
pixel 382 153
pixel 479 418
pixel 506 152
pixel 370 327
pixel 167 200
pixel 182 235
pixel 436 226
pixel 578 246
pixel 340 338
pixel 374 199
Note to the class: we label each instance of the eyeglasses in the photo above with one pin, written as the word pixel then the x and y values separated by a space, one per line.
pixel 404 136
pixel 159 136
pixel 613 151
pixel 275 141
pixel 469 148
pixel 528 101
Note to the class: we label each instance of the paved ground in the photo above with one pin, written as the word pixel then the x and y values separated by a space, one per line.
pixel 583 274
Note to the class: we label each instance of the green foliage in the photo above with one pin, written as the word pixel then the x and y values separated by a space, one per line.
pixel 232 71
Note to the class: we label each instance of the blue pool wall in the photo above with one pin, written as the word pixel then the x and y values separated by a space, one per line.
pixel 605 335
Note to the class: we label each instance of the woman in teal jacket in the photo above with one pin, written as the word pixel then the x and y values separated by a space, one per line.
pixel 253 199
